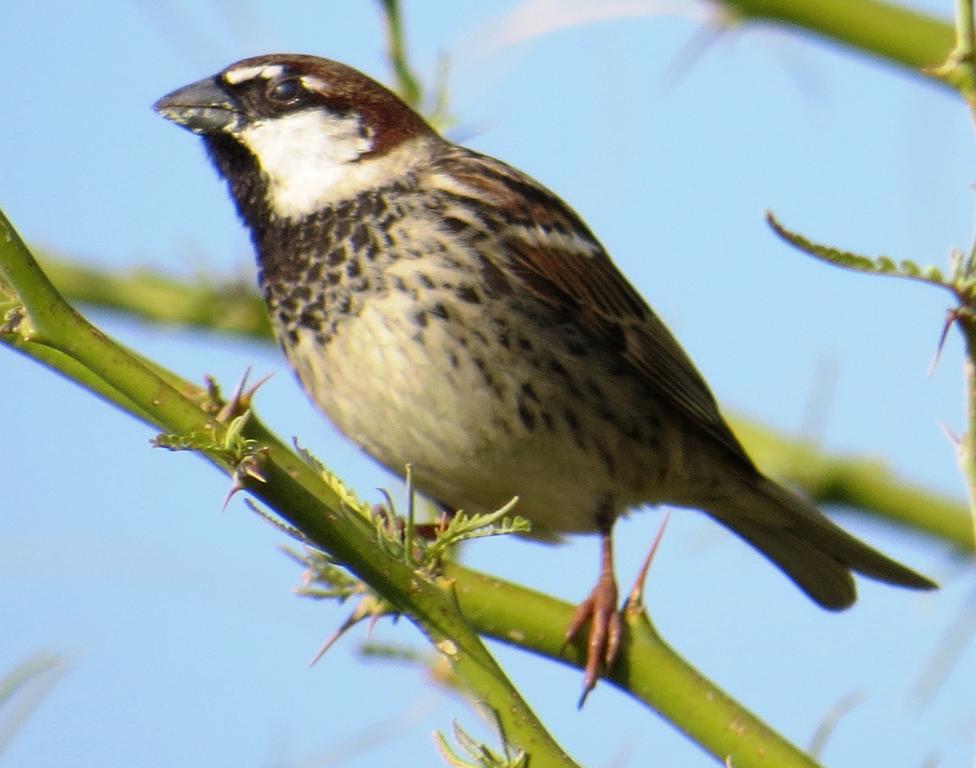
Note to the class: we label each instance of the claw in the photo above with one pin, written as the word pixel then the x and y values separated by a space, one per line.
pixel 600 609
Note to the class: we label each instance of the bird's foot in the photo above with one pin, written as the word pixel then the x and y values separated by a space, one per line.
pixel 603 640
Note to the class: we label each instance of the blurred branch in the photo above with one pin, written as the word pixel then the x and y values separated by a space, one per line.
pixel 407 83
pixel 432 104
pixel 959 68
pixel 228 306
pixel 956 641
pixel 22 690
pixel 449 609
pixel 900 36
pixel 860 483
pixel 912 40
pixel 830 721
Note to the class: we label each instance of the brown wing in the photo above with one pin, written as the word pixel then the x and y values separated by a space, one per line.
pixel 559 261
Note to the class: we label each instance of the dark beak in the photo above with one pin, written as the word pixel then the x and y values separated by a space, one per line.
pixel 203 107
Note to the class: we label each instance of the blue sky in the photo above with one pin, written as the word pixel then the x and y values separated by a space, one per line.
pixel 182 640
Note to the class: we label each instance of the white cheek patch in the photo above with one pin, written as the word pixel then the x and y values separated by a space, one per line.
pixel 311 159
pixel 304 156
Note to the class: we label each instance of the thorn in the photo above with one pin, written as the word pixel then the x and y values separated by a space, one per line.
pixel 236 486
pixel 392 524
pixel 247 468
pixel 240 401
pixel 213 388
pixel 952 315
pixel 387 511
pixel 829 722
pixel 230 409
pixel 348 624
pixel 368 606
pixel 955 439
pixel 635 599
pixel 251 466
pixel 694 49
pixel 372 623
pixel 247 397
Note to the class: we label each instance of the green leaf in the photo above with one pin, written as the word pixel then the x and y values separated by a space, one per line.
pixel 881 265
pixel 480 755
pixel 463 527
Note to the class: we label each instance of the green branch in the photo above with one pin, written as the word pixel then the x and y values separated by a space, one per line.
pixel 228 306
pixel 960 70
pixel 407 84
pixel 899 36
pixel 647 668
pixel 43 326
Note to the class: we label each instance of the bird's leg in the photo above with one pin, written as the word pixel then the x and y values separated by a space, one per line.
pixel 430 531
pixel 425 531
pixel 600 608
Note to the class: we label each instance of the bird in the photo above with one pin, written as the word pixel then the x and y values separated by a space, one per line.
pixel 447 311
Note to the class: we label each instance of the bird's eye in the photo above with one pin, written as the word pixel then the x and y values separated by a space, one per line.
pixel 285 90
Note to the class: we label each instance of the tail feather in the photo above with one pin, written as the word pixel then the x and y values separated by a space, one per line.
pixel 815 553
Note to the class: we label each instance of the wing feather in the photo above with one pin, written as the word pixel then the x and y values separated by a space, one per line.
pixel 556 258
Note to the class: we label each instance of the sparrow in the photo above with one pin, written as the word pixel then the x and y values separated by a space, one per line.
pixel 447 311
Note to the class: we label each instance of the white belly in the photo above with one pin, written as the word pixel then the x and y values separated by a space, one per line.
pixel 405 402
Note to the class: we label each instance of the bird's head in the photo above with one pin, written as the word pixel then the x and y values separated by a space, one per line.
pixel 301 132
